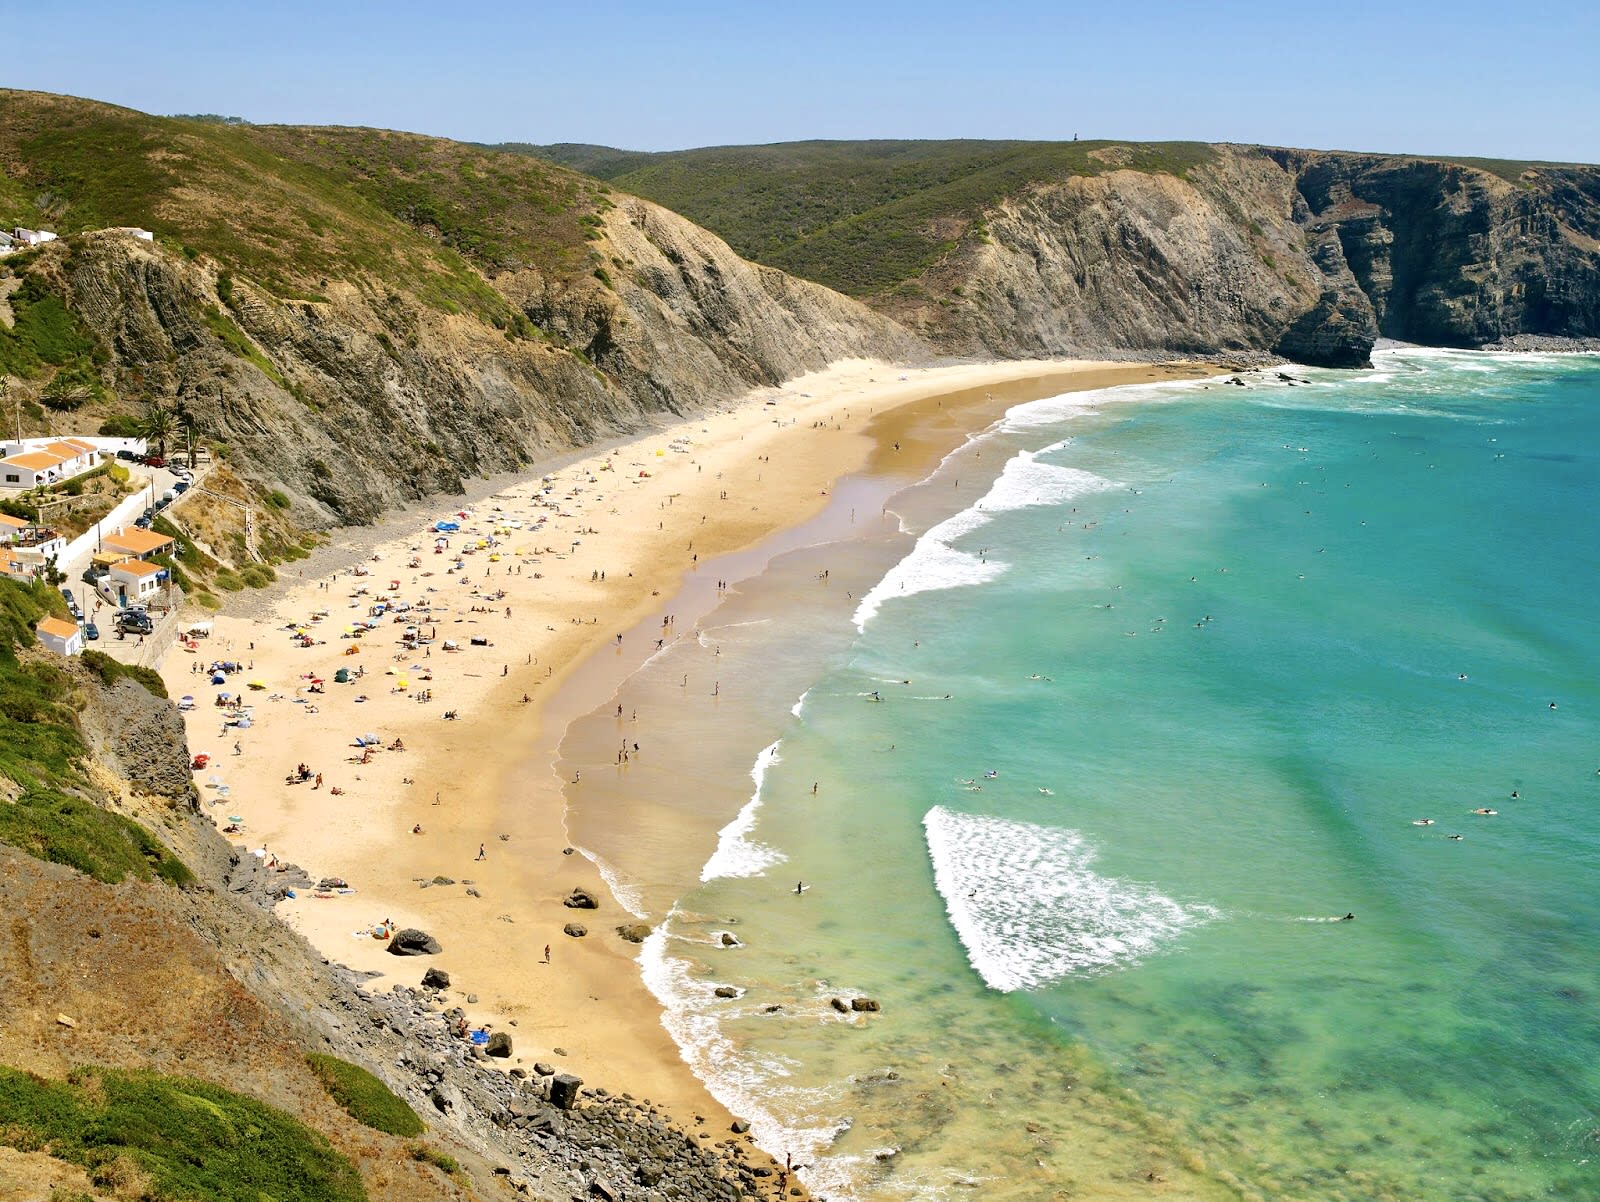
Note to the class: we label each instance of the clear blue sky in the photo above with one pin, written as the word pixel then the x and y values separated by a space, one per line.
pixel 1511 79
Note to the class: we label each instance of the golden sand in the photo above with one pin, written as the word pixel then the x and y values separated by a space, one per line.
pixel 642 512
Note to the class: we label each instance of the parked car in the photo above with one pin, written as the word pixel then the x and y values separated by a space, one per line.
pixel 154 461
pixel 91 631
pixel 142 523
pixel 181 487
pixel 134 624
pixel 127 456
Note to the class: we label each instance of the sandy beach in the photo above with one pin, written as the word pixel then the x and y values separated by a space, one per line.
pixel 525 617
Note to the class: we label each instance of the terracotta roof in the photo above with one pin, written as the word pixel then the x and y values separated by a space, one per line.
pixel 81 445
pixel 67 450
pixel 34 460
pixel 15 523
pixel 55 626
pixel 136 541
pixel 137 567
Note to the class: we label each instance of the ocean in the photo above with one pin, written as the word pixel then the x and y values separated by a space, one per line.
pixel 1075 754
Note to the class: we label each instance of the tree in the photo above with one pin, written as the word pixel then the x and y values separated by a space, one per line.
pixel 159 425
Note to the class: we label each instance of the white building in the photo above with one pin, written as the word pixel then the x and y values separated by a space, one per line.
pixel 136 581
pixel 36 461
pixel 64 638
pixel 32 237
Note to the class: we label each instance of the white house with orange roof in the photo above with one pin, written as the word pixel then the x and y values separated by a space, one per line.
pixel 12 568
pixel 134 543
pixel 32 462
pixel 30 469
pixel 12 529
pixel 136 581
pixel 64 638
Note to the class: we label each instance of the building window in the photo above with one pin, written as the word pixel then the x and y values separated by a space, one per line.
pixel 13 478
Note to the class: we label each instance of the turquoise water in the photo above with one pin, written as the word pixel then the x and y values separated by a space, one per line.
pixel 1222 650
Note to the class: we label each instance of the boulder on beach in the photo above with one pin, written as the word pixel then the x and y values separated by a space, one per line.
pixel 564 1090
pixel 412 942
pixel 839 1004
pixel 725 991
pixel 436 978
pixel 634 932
pixel 576 929
pixel 864 1004
pixel 499 1044
pixel 728 940
pixel 581 899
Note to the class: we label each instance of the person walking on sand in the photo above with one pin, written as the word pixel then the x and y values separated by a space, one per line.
pixel 482 855
pixel 547 953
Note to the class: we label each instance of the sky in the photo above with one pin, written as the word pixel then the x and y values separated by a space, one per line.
pixel 1504 80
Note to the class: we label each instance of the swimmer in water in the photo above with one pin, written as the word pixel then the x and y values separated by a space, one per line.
pixel 1453 837
pixel 991 774
pixel 1485 810
pixel 1348 918
pixel 1047 792
pixel 1422 822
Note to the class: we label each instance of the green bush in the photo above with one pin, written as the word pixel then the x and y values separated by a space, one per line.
pixel 427 1155
pixel 112 670
pixel 257 575
pixel 277 499
pixel 197 1142
pixel 52 825
pixel 121 425
pixel 365 1098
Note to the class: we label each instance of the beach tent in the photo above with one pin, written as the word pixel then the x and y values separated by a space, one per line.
pixel 342 676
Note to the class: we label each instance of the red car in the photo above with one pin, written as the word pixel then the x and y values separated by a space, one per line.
pixel 154 461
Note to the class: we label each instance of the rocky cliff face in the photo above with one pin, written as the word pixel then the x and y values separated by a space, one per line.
pixel 364 400
pixel 1453 255
pixel 1307 255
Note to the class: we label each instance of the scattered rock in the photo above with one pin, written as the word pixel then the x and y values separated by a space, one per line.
pixel 472 999
pixel 728 940
pixel 442 880
pixel 412 942
pixel 543 1069
pixel 499 1045
pixel 740 1126
pixel 436 978
pixel 634 932
pixel 473 893
pixel 725 991
pixel 581 899
pixel 66 1021
pixel 839 1004
pixel 564 1090
pixel 567 851
pixel 445 1098
pixel 576 929
pixel 864 1004
pixel 601 1188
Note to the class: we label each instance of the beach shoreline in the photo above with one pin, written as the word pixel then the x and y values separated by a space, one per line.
pixel 563 613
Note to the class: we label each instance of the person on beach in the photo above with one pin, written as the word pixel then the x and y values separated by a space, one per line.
pixel 547 953
pixel 482 855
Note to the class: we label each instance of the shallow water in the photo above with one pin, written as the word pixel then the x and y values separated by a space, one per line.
pixel 1221 650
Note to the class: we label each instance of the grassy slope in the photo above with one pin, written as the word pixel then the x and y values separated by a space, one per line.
pixel 292 208
pixel 53 815
pixel 861 217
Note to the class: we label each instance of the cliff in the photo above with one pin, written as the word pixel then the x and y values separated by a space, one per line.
pixel 1011 248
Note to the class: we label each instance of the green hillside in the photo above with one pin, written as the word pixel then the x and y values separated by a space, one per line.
pixel 860 217
pixel 292 208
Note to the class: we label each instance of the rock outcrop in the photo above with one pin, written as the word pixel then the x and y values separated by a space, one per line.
pixel 357 402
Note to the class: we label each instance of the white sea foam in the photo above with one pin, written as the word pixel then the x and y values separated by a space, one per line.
pixel 629 895
pixel 935 563
pixel 800 704
pixel 737 853
pixel 1029 909
pixel 756 1087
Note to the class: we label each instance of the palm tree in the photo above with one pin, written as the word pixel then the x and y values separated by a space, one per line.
pixel 159 425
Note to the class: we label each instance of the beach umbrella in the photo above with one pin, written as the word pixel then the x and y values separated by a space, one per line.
pixel 256 684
